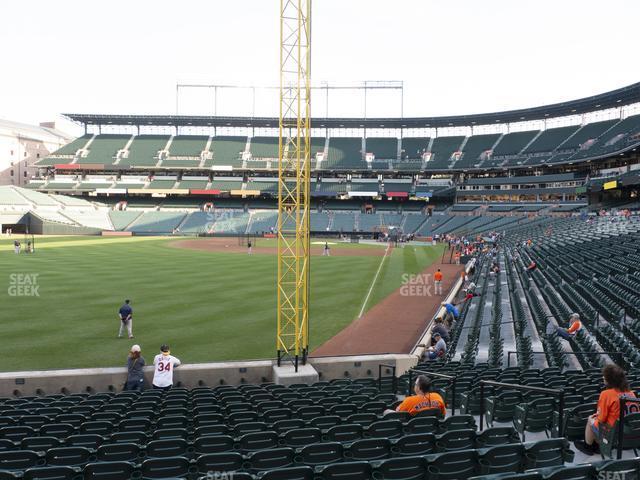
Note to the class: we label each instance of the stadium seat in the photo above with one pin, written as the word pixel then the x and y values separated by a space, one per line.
pixel 108 470
pixel 169 467
pixel 501 458
pixel 213 444
pixel 49 473
pixel 321 453
pixel 270 459
pixel 346 470
pixel 404 468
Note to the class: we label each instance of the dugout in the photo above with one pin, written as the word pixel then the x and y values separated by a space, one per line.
pixel 14 222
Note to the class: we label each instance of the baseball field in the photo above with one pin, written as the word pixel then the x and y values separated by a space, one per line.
pixel 207 298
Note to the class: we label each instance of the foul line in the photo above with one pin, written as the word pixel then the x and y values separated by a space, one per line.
pixel 373 283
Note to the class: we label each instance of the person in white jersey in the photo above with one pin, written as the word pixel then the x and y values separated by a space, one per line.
pixel 163 365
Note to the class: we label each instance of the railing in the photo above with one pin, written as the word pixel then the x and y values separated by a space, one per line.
pixel 526 388
pixel 437 375
pixel 393 372
pixel 623 404
pixel 619 355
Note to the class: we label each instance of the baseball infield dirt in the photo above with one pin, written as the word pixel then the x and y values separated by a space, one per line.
pixel 230 245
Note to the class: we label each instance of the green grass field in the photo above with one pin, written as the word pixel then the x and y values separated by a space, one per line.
pixel 209 306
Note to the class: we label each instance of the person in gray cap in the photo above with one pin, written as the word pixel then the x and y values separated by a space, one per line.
pixel 439 350
pixel 135 364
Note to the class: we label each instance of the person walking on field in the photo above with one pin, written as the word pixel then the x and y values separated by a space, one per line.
pixel 164 363
pixel 135 364
pixel 326 252
pixel 126 319
pixel 437 277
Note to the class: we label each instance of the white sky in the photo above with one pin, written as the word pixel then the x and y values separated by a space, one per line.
pixel 454 56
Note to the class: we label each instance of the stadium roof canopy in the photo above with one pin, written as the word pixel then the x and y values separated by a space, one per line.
pixel 615 98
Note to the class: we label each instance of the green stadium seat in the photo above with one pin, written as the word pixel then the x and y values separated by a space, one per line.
pixel 174 447
pixel 220 462
pixel 501 458
pixel 534 416
pixel 170 467
pixel 301 437
pixel 405 468
pixel 119 452
pixel 496 436
pixel 345 433
pixel 213 444
pixel 456 440
pixel 69 456
pixel 20 460
pixel 452 465
pixel 369 449
pixel 415 444
pixel 291 473
pixel 108 470
pixel 321 453
pixel 129 436
pixel 258 441
pixel 90 441
pixel 270 459
pixel 547 453
pixel 425 424
pixel 49 473
pixel 346 470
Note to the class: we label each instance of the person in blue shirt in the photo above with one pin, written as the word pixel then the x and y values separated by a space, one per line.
pixel 451 314
pixel 126 319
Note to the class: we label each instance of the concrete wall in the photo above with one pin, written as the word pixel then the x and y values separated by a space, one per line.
pixel 190 376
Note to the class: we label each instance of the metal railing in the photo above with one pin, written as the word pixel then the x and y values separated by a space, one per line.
pixel 526 388
pixel 623 404
pixel 437 375
pixel 619 355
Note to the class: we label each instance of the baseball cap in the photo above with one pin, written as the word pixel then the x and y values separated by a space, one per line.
pixel 436 334
pixel 135 348
pixel 164 347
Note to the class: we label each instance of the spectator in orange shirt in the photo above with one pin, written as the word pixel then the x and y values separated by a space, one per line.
pixel 422 400
pixel 608 408
pixel 437 277
pixel 574 326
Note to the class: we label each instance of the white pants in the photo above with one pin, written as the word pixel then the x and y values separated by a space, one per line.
pixel 129 325
pixel 326 253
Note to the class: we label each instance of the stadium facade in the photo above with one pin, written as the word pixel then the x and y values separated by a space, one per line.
pixel 211 175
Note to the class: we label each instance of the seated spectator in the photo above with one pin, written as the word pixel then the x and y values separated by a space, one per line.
pixel 608 411
pixel 451 314
pixel 439 350
pixel 468 296
pixel 441 329
pixel 422 400
pixel 574 326
pixel 532 266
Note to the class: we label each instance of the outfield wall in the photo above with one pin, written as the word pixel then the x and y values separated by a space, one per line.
pixel 92 380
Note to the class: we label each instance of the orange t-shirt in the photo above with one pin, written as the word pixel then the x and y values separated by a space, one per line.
pixel 437 276
pixel 418 403
pixel 574 327
pixel 609 405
